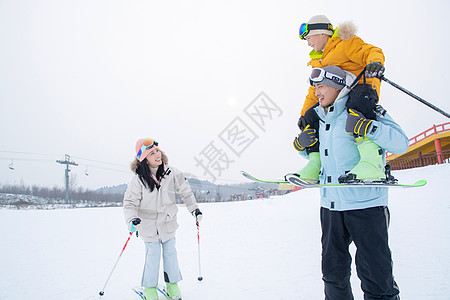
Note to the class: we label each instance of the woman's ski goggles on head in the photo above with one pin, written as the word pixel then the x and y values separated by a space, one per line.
pixel 318 75
pixel 146 144
pixel 305 28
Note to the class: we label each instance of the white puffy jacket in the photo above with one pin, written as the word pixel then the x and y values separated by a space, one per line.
pixel 157 210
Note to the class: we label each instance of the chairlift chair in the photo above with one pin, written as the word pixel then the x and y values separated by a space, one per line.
pixel 11 165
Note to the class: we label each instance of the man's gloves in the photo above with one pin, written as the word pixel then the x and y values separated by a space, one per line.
pixel 305 139
pixel 374 69
pixel 197 214
pixel 357 123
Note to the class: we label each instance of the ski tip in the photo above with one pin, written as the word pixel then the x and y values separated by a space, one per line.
pixel 420 183
pixel 139 291
pixel 246 175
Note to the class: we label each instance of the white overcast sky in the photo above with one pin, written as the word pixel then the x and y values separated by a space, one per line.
pixel 89 77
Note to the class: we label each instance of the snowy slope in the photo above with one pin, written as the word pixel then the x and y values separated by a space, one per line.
pixel 261 249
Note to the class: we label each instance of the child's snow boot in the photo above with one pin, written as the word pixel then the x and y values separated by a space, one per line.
pixel 370 165
pixel 174 291
pixel 150 293
pixel 312 169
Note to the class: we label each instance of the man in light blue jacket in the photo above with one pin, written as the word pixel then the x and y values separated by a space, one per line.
pixel 358 215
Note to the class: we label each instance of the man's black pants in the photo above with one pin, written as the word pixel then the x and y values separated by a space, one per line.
pixel 368 229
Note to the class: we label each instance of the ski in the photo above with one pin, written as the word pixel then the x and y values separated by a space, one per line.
pixel 160 288
pixel 295 180
pixel 253 178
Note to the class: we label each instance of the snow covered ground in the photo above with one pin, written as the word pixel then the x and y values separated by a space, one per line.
pixel 260 249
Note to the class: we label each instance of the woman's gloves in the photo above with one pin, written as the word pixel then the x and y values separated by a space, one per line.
pixel 197 214
pixel 134 222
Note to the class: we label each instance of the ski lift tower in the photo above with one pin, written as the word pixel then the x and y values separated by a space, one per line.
pixel 67 162
pixel 257 189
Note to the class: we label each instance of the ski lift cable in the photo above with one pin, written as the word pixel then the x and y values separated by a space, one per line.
pixel 27 159
pixel 229 180
pixel 98 161
pixel 51 160
pixel 104 168
pixel 59 155
pixel 28 153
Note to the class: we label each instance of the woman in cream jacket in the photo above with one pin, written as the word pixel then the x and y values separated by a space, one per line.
pixel 149 205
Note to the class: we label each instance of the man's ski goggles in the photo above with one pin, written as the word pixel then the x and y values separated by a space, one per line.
pixel 318 75
pixel 305 28
pixel 146 144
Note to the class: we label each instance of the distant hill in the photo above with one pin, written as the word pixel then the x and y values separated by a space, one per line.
pixel 206 191
pixel 115 189
pixel 22 197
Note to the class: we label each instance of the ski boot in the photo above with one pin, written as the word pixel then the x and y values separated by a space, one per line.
pixel 389 177
pixel 370 166
pixel 150 293
pixel 312 169
pixel 174 291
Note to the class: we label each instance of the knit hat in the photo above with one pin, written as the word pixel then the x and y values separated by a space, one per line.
pixel 322 20
pixel 144 147
pixel 331 75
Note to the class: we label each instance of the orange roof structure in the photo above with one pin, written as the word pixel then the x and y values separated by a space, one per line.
pixel 429 147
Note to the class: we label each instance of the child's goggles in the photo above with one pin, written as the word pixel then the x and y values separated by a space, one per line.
pixel 305 28
pixel 146 144
pixel 318 75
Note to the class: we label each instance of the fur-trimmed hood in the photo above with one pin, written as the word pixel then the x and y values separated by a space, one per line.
pixel 346 30
pixel 347 51
pixel 135 163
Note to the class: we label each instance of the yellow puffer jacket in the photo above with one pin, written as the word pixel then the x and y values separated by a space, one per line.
pixel 347 51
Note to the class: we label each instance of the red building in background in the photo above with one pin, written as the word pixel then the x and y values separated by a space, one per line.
pixel 427 148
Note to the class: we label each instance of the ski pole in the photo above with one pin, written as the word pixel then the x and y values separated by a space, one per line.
pixel 102 292
pixel 415 96
pixel 200 278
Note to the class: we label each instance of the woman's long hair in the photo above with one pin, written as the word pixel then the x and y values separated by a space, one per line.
pixel 142 169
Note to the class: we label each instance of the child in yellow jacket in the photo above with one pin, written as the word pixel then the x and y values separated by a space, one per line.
pixel 341 47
